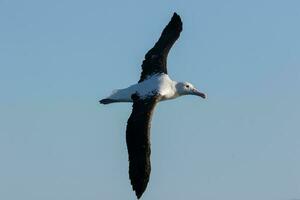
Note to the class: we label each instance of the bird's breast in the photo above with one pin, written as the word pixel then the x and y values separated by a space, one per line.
pixel 159 84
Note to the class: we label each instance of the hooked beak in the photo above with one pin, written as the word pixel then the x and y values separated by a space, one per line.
pixel 198 93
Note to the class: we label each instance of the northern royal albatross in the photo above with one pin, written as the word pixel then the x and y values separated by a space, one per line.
pixel 154 85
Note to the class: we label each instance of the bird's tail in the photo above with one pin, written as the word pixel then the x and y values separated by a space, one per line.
pixel 108 101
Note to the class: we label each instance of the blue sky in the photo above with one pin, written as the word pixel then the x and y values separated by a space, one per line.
pixel 58 58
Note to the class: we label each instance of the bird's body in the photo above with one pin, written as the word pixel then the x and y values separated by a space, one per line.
pixel 158 84
pixel 154 85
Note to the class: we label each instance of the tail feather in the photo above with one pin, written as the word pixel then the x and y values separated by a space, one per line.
pixel 107 101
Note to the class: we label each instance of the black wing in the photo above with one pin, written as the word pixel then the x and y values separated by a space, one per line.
pixel 138 142
pixel 156 58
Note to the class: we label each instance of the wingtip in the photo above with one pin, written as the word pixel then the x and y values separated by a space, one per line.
pixel 138 196
pixel 139 191
pixel 176 20
pixel 175 15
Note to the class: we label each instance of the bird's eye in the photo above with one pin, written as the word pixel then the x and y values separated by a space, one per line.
pixel 187 86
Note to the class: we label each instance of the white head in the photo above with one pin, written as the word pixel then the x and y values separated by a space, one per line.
pixel 185 88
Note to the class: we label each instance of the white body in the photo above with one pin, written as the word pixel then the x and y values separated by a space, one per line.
pixel 158 84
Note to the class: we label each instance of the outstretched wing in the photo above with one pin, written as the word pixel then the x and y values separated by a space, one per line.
pixel 156 58
pixel 138 142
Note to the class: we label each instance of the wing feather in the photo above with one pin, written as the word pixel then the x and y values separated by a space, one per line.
pixel 156 58
pixel 138 142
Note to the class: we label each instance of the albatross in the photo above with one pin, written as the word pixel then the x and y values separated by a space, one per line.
pixel 154 86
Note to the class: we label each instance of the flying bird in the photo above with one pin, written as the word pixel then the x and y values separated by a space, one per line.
pixel 154 86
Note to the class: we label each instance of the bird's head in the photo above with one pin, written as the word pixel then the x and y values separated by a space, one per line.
pixel 185 88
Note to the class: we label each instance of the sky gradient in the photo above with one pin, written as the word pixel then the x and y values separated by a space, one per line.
pixel 58 58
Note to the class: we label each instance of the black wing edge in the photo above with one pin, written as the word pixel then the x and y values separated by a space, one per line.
pixel 138 142
pixel 156 58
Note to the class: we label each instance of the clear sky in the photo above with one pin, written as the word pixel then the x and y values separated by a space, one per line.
pixel 58 58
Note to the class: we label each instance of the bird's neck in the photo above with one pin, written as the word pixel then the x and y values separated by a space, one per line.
pixel 175 89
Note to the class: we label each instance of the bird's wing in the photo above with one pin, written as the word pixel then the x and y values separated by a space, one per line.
pixel 156 58
pixel 138 142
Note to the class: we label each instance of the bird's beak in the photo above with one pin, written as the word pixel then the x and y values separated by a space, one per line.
pixel 198 93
